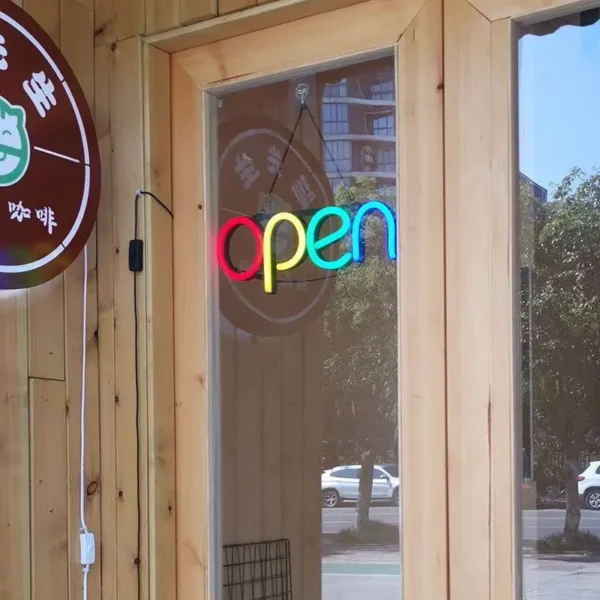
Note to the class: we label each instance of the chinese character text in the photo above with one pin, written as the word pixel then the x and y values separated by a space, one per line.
pixel 18 211
pixel 46 216
pixel 246 171
pixel 41 91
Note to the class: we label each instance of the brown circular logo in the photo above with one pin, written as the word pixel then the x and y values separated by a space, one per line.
pixel 49 159
pixel 251 152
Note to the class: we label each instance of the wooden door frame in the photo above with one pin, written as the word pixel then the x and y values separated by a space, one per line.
pixel 300 34
pixel 481 151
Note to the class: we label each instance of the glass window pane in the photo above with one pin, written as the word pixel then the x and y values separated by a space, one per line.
pixel 308 338
pixel 559 201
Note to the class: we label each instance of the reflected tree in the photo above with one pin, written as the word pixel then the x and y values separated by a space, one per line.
pixel 361 377
pixel 564 249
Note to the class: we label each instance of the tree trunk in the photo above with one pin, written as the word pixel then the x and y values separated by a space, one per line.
pixel 365 489
pixel 573 516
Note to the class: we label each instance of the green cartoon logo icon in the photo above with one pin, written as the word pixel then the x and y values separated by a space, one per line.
pixel 14 143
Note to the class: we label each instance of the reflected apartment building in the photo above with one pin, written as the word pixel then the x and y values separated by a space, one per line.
pixel 346 106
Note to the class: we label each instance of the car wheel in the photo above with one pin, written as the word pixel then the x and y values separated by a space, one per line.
pixel 592 499
pixel 396 497
pixel 330 499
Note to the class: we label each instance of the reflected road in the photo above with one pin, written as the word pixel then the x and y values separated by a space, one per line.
pixel 536 524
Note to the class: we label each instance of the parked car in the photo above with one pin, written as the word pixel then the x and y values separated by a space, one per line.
pixel 341 484
pixel 589 486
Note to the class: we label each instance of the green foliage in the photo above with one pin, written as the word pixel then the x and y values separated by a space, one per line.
pixel 584 541
pixel 566 316
pixel 371 532
pixel 361 379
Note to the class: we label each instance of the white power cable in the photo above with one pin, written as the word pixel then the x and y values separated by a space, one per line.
pixel 86 539
pixel 83 528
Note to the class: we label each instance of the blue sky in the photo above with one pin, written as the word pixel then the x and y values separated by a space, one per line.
pixel 559 103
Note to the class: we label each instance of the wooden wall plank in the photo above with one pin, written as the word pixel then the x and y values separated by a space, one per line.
pixel 47 14
pixel 157 98
pixel 191 400
pixel 248 463
pixel 292 453
pixel 227 6
pixel 106 319
pixel 252 56
pixel 159 320
pixel 197 10
pixel 467 44
pixel 161 15
pixel 421 308
pixel 119 20
pixel 15 574
pixel 273 466
pixel 241 22
pixel 126 98
pixel 505 313
pixel 77 44
pixel 49 489
pixel 46 346
pixel 161 401
pixel 46 326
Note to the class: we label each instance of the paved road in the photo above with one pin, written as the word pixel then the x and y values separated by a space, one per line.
pixel 536 524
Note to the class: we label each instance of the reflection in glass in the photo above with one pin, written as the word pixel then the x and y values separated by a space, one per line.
pixel 309 374
pixel 559 198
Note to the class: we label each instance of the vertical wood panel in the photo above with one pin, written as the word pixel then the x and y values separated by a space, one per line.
pixel 505 311
pixel 126 100
pixel 228 399
pixel 292 454
pixel 248 476
pixel 119 20
pixel 421 307
pixel 159 319
pixel 273 467
pixel 161 15
pixel 468 287
pixel 191 401
pixel 47 14
pixel 161 402
pixel 47 336
pixel 157 98
pixel 197 10
pixel 14 450
pixel 106 317
pixel 46 326
pixel 49 489
pixel 77 44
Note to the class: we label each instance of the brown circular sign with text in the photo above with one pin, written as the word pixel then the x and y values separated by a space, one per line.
pixel 251 152
pixel 49 159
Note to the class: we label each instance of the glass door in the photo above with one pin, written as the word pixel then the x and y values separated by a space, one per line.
pixel 313 299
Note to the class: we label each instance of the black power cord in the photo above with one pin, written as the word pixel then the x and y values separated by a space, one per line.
pixel 136 265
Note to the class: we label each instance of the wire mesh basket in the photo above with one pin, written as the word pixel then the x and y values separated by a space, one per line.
pixel 257 571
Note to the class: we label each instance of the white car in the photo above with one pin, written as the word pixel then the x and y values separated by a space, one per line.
pixel 341 484
pixel 589 486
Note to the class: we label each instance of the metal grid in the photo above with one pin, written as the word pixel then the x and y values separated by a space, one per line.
pixel 257 571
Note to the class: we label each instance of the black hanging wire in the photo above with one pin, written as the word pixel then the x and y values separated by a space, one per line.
pixel 138 196
pixel 304 108
pixel 137 407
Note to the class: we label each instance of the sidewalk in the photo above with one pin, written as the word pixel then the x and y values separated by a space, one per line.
pixel 356 573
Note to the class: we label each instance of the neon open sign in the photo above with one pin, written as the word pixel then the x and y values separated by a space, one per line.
pixel 309 242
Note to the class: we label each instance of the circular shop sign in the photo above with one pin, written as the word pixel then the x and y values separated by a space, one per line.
pixel 49 159
pixel 250 152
